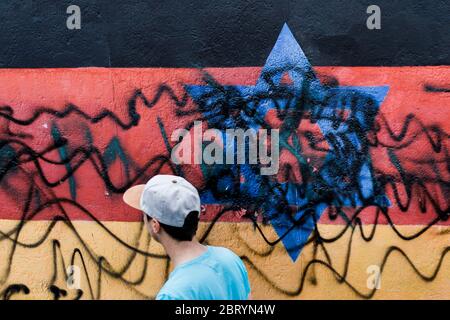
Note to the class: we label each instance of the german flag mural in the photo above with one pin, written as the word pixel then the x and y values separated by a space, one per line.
pixel 359 205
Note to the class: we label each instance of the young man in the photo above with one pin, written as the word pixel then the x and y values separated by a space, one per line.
pixel 171 207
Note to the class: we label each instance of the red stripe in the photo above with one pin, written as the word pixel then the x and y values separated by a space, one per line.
pixel 93 89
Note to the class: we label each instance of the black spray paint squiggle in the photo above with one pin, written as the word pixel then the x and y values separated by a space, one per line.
pixel 17 154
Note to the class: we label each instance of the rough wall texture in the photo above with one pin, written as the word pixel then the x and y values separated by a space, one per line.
pixel 363 184
pixel 231 33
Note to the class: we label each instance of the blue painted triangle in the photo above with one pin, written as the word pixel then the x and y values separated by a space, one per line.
pixel 295 236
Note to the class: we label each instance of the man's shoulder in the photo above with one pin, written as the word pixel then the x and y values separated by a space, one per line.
pixel 189 281
pixel 228 255
pixel 224 252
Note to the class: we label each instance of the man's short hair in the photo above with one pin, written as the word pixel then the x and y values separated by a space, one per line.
pixel 187 231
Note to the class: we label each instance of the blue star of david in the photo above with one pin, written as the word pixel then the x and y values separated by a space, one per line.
pixel 344 114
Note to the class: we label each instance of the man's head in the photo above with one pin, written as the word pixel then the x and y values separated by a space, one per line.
pixel 171 206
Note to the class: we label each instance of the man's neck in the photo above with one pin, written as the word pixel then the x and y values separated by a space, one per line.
pixel 183 251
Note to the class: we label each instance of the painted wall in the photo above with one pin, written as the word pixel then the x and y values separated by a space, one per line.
pixel 362 185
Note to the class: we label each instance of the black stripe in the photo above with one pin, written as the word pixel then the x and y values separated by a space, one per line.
pixel 194 33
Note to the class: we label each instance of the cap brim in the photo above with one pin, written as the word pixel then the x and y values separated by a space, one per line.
pixel 132 196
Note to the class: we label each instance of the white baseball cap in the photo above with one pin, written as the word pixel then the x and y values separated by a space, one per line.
pixel 166 198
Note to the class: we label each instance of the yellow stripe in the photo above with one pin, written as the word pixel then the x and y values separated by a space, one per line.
pixel 37 259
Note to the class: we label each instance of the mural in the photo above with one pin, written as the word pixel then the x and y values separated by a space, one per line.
pixel 358 209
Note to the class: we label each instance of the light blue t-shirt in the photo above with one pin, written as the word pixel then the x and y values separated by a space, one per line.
pixel 218 274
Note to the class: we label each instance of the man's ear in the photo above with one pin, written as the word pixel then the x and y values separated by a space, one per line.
pixel 154 224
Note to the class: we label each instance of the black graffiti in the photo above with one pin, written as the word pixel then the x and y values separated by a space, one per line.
pixel 17 151
pixel 434 88
pixel 13 289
